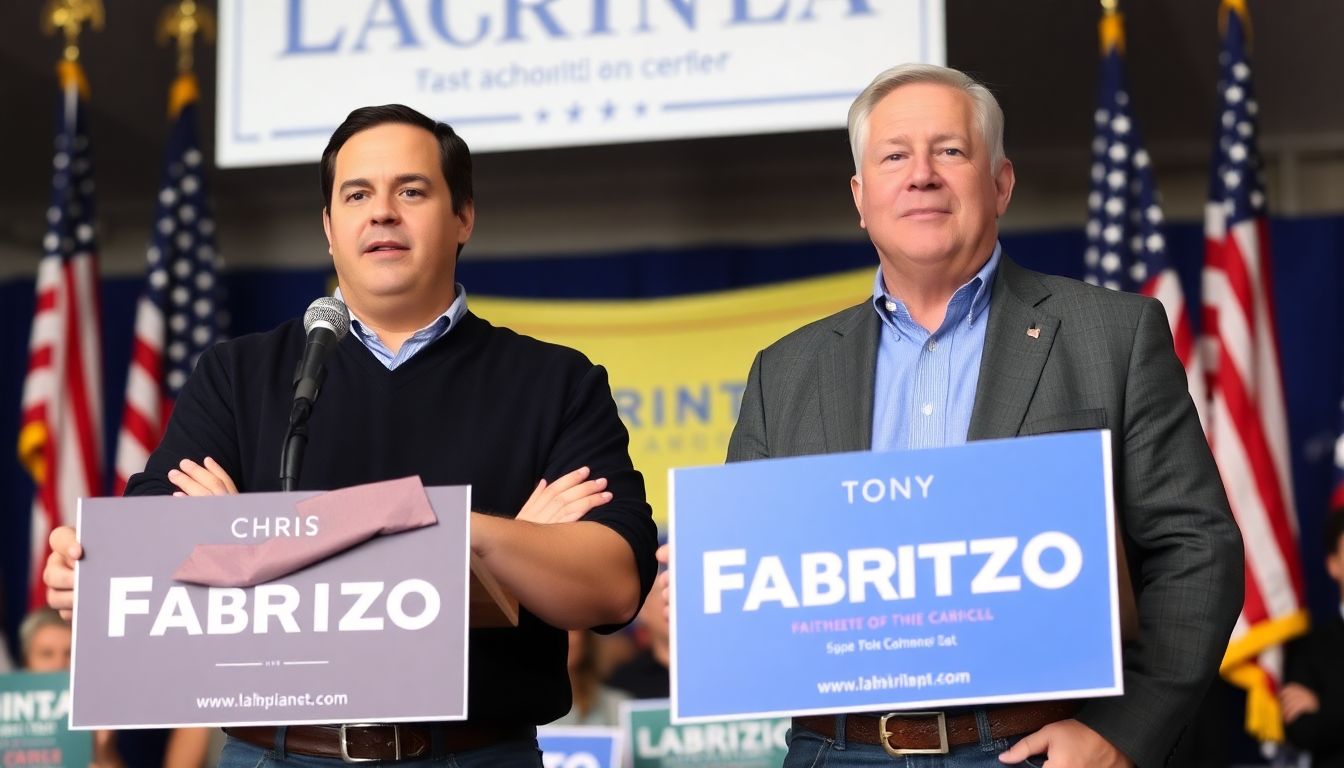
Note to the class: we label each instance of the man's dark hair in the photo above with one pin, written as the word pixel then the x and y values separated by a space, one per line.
pixel 1334 528
pixel 454 157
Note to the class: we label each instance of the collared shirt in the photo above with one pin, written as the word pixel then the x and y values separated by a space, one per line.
pixel 418 340
pixel 925 385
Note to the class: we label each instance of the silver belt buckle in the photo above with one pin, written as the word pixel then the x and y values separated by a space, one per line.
pixel 894 752
pixel 396 742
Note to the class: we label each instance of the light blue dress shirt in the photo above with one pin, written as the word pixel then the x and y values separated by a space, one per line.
pixel 418 340
pixel 925 385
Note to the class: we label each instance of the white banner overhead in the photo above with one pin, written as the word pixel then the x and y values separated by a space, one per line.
pixel 522 74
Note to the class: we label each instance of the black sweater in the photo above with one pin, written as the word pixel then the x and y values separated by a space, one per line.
pixel 481 406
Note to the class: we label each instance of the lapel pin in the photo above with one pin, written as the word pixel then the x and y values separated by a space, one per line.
pixel 1034 332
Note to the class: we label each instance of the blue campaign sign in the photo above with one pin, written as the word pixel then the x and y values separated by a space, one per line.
pixel 579 746
pixel 861 581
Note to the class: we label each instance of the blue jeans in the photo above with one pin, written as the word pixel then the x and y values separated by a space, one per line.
pixel 509 754
pixel 812 750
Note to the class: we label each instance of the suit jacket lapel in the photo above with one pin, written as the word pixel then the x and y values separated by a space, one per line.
pixel 848 370
pixel 1017 343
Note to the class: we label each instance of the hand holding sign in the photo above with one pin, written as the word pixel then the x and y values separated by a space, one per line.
pixel 660 584
pixel 59 575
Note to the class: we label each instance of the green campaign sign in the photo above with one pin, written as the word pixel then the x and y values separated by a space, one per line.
pixel 34 709
pixel 654 742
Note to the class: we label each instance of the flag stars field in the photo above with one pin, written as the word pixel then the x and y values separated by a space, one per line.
pixel 176 318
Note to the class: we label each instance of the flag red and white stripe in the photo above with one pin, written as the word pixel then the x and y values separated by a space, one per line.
pixel 1248 427
pixel 61 422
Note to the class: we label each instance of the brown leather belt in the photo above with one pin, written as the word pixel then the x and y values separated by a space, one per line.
pixel 934 732
pixel 391 741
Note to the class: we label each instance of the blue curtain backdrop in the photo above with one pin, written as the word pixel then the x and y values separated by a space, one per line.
pixel 1309 281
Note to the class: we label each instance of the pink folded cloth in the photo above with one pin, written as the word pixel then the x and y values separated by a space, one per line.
pixel 344 519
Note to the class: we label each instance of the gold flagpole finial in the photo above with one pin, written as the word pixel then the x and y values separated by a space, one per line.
pixel 1112 27
pixel 70 16
pixel 182 21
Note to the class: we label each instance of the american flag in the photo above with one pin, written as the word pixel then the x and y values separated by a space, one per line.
pixel 61 425
pixel 1248 425
pixel 178 316
pixel 1126 250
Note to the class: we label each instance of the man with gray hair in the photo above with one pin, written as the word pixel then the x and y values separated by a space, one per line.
pixel 958 343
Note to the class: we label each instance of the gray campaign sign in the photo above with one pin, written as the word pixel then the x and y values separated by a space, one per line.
pixel 376 633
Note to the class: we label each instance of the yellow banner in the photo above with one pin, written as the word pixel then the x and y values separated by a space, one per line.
pixel 678 366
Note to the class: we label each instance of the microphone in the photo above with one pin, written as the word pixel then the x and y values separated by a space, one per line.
pixel 326 322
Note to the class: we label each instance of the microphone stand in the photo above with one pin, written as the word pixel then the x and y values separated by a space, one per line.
pixel 296 438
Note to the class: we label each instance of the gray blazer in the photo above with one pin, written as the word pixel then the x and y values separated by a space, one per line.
pixel 1101 359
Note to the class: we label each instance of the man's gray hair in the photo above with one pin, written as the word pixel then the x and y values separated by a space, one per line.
pixel 988 114
pixel 42 617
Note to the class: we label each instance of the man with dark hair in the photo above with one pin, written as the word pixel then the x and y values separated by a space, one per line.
pixel 421 386
pixel 454 157
pixel 1313 696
